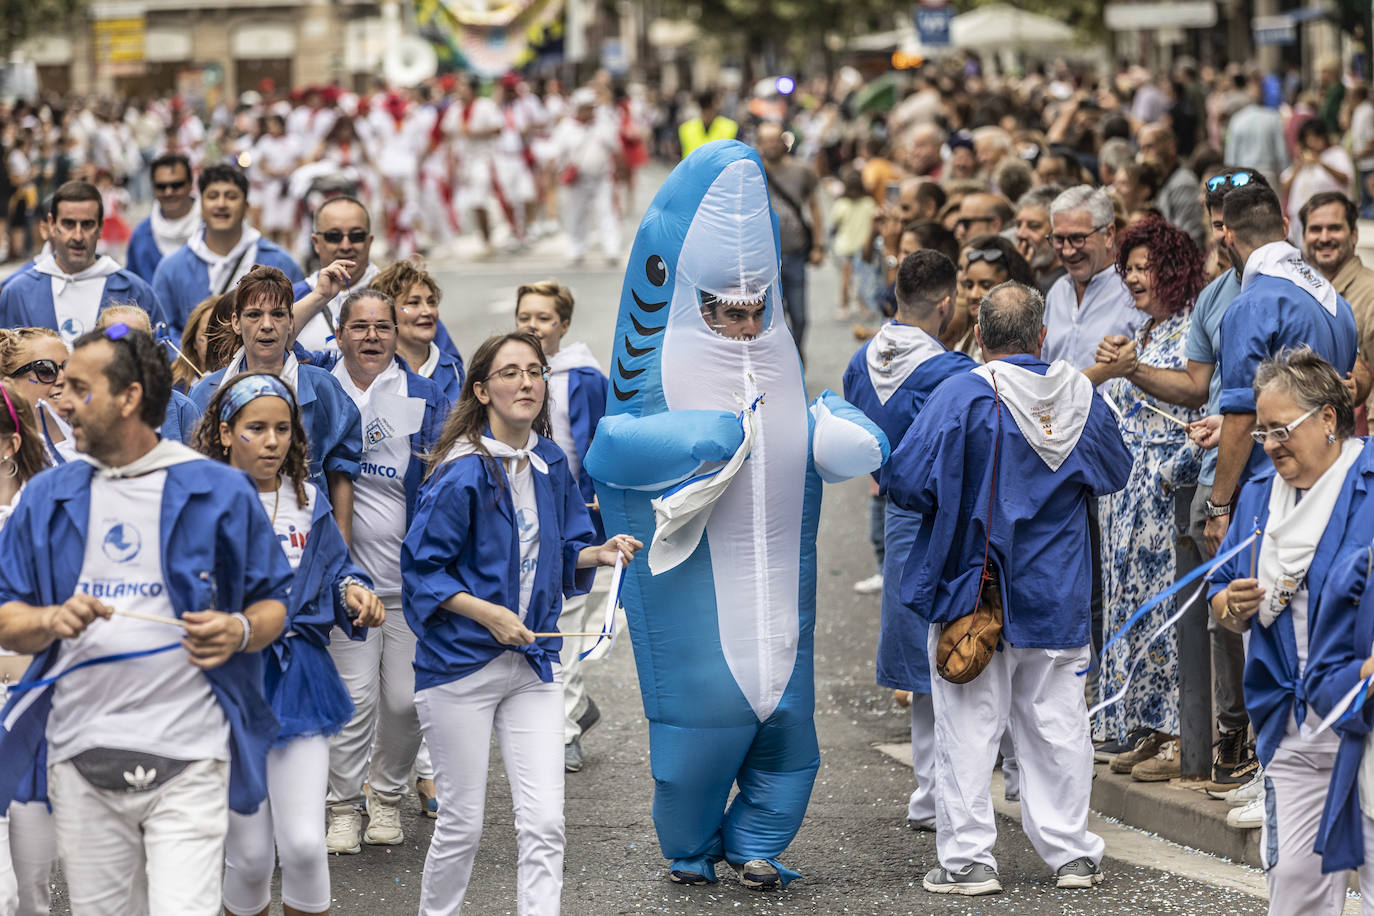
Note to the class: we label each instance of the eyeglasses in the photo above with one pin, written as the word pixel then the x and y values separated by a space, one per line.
pixel 1077 240
pixel 512 373
pixel 1283 432
pixel 965 222
pixel 359 331
pixel 984 254
pixel 335 236
pixel 45 370
pixel 166 186
pixel 1236 180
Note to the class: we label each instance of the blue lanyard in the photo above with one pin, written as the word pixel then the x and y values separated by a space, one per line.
pixel 102 660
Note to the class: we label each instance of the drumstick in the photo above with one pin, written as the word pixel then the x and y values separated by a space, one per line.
pixel 1165 415
pixel 152 618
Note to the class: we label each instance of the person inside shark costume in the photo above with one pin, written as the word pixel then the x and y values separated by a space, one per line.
pixel 710 450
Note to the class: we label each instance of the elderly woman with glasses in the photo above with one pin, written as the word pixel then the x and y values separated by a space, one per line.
pixel 984 262
pixel 1162 270
pixel 1286 589
pixel 262 321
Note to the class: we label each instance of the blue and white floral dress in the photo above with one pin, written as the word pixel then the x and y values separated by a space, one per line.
pixel 1139 529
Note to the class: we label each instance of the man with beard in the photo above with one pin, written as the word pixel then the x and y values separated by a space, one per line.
pixel 173 220
pixel 889 379
pixel 1329 238
pixel 67 289
pixel 1033 235
pixel 1179 198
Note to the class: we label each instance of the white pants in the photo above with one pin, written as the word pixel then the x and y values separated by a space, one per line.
pixel 921 807
pixel 1295 784
pixel 31 838
pixel 289 826
pixel 589 201
pixel 171 837
pixel 380 677
pixel 575 618
pixel 527 715
pixel 1034 694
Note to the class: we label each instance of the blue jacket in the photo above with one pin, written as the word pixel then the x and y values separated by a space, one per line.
pixel 218 550
pixel 449 375
pixel 423 441
pixel 442 340
pixel 26 300
pixel 182 280
pixel 586 406
pixel 1273 689
pixel 183 416
pixel 143 255
pixel 1039 530
pixel 330 418
pixel 464 539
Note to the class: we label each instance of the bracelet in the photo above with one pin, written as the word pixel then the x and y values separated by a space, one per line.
pixel 344 584
pixel 247 631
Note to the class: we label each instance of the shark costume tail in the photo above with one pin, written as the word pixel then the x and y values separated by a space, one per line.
pixel 720 427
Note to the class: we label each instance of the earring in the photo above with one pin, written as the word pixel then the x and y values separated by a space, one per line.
pixel 1330 438
pixel 11 466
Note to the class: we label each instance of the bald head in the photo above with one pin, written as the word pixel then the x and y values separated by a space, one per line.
pixel 770 143
pixel 981 213
pixel 924 148
pixel 1158 144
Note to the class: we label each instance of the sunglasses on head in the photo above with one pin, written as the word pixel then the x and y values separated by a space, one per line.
pixel 162 186
pixel 984 254
pixel 335 236
pixel 1237 180
pixel 45 370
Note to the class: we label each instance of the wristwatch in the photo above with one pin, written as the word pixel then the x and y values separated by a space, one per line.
pixel 1215 511
pixel 891 261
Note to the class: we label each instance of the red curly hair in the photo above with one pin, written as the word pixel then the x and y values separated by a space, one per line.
pixel 1174 261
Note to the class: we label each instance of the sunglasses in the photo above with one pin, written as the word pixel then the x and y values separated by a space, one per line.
pixel 164 186
pixel 335 236
pixel 1238 180
pixel 45 370
pixel 984 254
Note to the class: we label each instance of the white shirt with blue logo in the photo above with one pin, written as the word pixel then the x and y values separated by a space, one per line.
pixel 290 521
pixel 160 704
pixel 527 529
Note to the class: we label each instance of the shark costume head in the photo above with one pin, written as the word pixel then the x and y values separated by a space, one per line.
pixel 719 427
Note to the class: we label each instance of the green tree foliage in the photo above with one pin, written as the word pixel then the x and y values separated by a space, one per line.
pixel 23 19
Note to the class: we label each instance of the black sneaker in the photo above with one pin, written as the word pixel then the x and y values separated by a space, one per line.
pixel 589 718
pixel 1104 751
pixel 689 878
pixel 1235 763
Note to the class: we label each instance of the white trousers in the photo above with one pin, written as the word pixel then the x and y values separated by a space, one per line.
pixel 289 826
pixel 1033 694
pixel 1295 784
pixel 921 806
pixel 575 618
pixel 32 838
pixel 380 677
pixel 586 203
pixel 506 696
pixel 165 845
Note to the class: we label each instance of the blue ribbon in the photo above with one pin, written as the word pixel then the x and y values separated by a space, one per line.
pixel 1353 712
pixel 1197 573
pixel 102 660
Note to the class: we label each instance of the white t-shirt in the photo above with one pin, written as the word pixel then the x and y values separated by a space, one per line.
pixel 316 336
pixel 559 420
pixel 161 704
pixel 1300 736
pixel 1362 133
pixel 379 493
pixel 527 529
pixel 290 521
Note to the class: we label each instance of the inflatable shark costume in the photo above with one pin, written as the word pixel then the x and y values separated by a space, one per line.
pixel 709 448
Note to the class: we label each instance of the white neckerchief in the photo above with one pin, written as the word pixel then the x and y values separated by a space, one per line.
pixel 171 234
pixel 896 351
pixel 391 380
pixel 573 356
pixel 290 370
pixel 1051 410
pixel 1282 260
pixel 161 456
pixel 239 259
pixel 431 362
pixel 511 457
pixel 333 305
pixel 1294 529
pixel 62 281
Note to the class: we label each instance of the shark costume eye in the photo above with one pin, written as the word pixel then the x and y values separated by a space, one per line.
pixel 656 270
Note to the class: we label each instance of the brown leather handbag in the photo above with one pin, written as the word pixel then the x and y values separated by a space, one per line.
pixel 966 645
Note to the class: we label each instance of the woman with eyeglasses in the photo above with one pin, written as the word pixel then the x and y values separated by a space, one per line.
pixel 1162 269
pixel 28 837
pixel 500 535
pixel 416 294
pixel 984 262
pixel 1312 508
pixel 261 320
pixel 33 358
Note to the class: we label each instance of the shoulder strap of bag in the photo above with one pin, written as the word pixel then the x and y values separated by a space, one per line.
pixel 777 188
pixel 992 488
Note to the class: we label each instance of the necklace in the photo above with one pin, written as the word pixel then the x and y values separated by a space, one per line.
pixel 276 500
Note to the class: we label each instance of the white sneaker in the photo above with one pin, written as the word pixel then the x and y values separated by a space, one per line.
pixel 1243 795
pixel 344 836
pixel 870 586
pixel 1244 818
pixel 383 819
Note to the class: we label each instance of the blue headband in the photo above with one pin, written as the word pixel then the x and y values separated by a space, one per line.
pixel 251 388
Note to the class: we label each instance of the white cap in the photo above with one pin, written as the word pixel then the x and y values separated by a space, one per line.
pixel 584 98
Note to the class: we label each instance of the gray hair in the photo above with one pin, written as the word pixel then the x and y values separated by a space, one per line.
pixel 358 295
pixel 998 135
pixel 1116 153
pixel 1011 317
pixel 1309 380
pixel 1097 202
pixel 1041 197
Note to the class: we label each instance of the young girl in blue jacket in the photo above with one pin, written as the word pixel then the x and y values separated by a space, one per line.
pixel 254 424
pixel 500 535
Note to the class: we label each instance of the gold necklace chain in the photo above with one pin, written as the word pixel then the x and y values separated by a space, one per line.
pixel 276 500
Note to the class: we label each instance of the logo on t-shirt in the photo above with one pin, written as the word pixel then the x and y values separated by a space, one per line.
pixel 378 430
pixel 71 329
pixel 122 542
pixel 527 524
